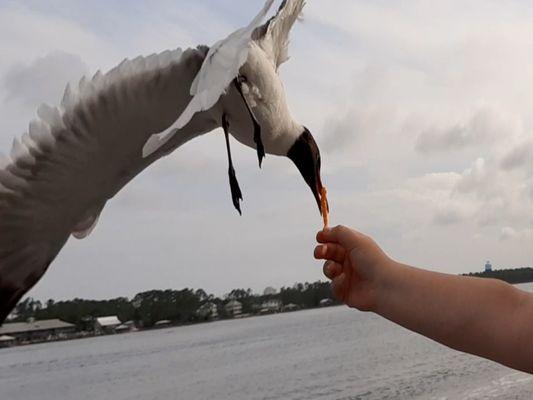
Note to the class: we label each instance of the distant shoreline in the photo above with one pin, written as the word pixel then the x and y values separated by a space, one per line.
pixel 91 335
pixel 513 276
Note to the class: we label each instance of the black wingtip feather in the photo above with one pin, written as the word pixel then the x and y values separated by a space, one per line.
pixel 9 297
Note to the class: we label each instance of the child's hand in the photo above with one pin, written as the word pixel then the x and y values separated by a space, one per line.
pixel 355 264
pixel 485 317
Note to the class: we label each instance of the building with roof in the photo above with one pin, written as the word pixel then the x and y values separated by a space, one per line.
pixel 164 323
pixel 233 308
pixel 290 307
pixel 6 341
pixel 127 326
pixel 12 316
pixel 208 311
pixel 107 325
pixel 326 302
pixel 271 306
pixel 37 331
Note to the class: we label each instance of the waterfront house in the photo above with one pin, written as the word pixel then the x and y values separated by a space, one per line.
pixel 107 325
pixel 127 326
pixel 208 311
pixel 326 302
pixel 233 308
pixel 164 323
pixel 271 306
pixel 12 316
pixel 6 341
pixel 38 331
pixel 290 307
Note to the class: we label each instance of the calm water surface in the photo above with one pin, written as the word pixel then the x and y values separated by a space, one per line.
pixel 333 353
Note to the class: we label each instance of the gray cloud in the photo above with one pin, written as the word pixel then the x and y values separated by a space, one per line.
pixel 342 131
pixel 442 140
pixel 518 157
pixel 508 233
pixel 448 216
pixel 44 79
pixel 484 127
pixel 475 178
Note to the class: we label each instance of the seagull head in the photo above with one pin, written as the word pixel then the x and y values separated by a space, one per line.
pixel 305 154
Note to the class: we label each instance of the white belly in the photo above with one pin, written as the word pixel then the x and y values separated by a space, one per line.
pixel 265 94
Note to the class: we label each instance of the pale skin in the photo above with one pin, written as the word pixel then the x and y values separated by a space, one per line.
pixel 485 317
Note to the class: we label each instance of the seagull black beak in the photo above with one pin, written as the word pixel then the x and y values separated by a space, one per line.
pixel 306 156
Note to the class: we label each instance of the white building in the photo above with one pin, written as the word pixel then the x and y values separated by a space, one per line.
pixel 13 315
pixel 271 306
pixel 290 307
pixel 233 308
pixel 164 323
pixel 208 311
pixel 6 341
pixel 326 302
pixel 107 324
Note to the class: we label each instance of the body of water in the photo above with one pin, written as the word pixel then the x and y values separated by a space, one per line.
pixel 331 353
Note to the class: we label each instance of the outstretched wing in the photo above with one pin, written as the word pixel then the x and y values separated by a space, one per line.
pixel 221 66
pixel 77 156
pixel 273 36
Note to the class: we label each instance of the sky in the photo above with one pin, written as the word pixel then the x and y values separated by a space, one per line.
pixel 423 112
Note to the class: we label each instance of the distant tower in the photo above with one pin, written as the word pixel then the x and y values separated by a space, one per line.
pixel 488 267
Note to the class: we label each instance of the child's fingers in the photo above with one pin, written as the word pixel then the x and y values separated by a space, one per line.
pixel 330 251
pixel 340 234
pixel 321 236
pixel 332 269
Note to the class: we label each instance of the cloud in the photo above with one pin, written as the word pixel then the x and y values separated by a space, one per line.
pixel 509 234
pixel 44 79
pixel 448 216
pixel 27 33
pixel 477 178
pixel 482 128
pixel 518 157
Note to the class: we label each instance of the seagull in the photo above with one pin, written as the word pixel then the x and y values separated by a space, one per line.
pixel 109 128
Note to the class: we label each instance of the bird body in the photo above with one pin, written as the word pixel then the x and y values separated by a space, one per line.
pixel 266 95
pixel 77 156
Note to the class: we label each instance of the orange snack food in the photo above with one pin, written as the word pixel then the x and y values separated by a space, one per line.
pixel 324 206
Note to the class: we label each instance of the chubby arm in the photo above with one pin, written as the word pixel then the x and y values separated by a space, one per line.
pixel 484 317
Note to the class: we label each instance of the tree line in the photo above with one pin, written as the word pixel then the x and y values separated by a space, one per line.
pixel 513 276
pixel 178 306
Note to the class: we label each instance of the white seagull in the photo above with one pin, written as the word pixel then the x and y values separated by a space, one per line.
pixel 77 156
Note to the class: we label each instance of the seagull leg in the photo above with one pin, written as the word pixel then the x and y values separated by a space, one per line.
pixel 236 194
pixel 257 128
